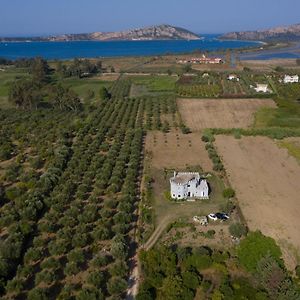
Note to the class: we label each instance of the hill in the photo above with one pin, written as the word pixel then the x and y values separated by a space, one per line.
pixel 280 33
pixel 160 32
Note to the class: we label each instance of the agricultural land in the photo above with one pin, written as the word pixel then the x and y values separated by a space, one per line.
pixel 87 149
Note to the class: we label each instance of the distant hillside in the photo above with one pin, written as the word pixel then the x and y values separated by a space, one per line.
pixel 281 33
pixel 161 32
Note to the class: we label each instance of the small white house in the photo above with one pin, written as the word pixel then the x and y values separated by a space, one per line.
pixel 262 88
pixel 233 77
pixel 291 79
pixel 187 185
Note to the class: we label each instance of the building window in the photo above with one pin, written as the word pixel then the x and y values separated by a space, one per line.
pixel 174 195
pixel 178 196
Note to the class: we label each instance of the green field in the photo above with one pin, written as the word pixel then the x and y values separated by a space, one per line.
pixel 155 84
pixel 6 78
pixel 83 86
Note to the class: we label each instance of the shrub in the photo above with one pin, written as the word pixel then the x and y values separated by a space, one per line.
pixel 96 278
pixel 15 285
pixel 99 261
pixel 227 207
pixel 184 129
pixel 45 276
pixel 279 69
pixel 297 270
pixel 119 268
pixel 116 285
pixel 76 255
pixel 38 294
pixel 210 234
pixel 237 230
pixel 50 263
pixel 33 255
pixel 88 293
pixel 200 262
pixel 228 193
pixel 167 195
pixel 6 150
pixel 205 138
pixel 218 167
pixel 208 137
pixel 256 246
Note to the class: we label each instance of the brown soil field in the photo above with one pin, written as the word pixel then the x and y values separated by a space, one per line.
pixel 213 67
pixel 198 114
pixel 177 150
pixel 266 179
pixel 109 76
pixel 124 63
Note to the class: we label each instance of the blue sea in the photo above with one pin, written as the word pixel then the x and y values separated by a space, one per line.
pixel 69 50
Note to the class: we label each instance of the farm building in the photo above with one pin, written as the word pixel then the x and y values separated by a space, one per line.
pixel 233 77
pixel 262 87
pixel 186 185
pixel 291 79
pixel 202 60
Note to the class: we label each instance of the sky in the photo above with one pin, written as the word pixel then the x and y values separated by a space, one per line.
pixel 43 17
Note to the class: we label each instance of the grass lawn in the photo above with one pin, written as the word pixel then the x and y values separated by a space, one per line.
pixel 264 116
pixel 80 86
pixel 6 78
pixel 292 145
pixel 84 85
pixel 156 83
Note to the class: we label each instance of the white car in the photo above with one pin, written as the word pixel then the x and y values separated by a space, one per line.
pixel 213 217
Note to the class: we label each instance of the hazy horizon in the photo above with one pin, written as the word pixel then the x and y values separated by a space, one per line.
pixel 35 18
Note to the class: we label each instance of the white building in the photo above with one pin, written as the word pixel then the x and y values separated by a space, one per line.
pixel 201 60
pixel 262 87
pixel 233 77
pixel 186 185
pixel 291 79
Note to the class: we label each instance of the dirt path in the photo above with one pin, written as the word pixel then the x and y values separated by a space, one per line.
pixel 134 264
pixel 133 281
pixel 157 233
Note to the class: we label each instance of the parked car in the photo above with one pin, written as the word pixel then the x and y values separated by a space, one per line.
pixel 222 216
pixel 213 217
